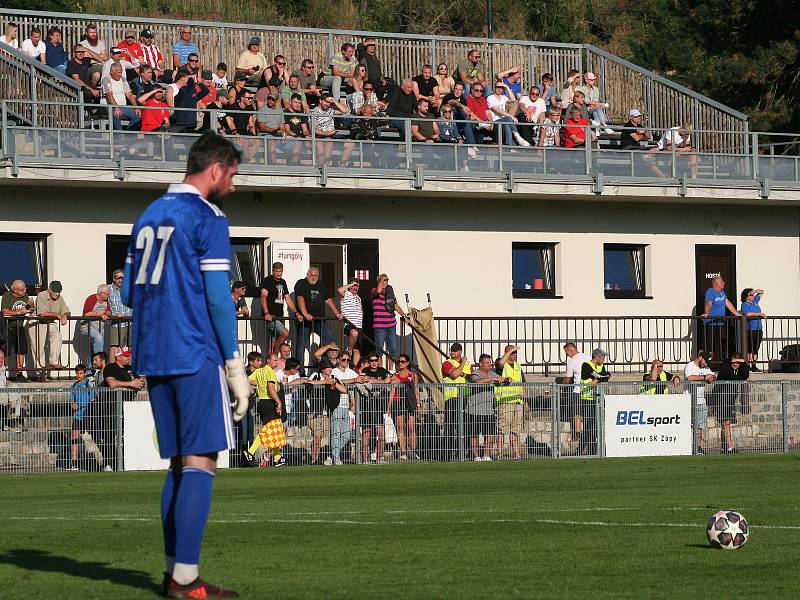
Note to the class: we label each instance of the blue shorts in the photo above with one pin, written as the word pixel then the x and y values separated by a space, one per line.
pixel 192 412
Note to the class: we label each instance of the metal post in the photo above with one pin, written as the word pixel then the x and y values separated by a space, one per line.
pixel 461 445
pixel 531 69
pixel 110 33
pixel 110 131
pixel 743 337
pixel 489 19
pixel 313 141
pixel 600 420
pixel 648 91
pixel 34 98
pixel 118 429
pixel 587 147
pixel 222 38
pixel 433 53
pixel 358 428
pixel 672 151
pixel 500 146
pixel 4 114
pixel 754 144
pixel 408 143
pixel 555 409
pixel 785 415
pixel 330 51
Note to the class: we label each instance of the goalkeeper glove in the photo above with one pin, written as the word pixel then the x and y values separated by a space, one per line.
pixel 239 387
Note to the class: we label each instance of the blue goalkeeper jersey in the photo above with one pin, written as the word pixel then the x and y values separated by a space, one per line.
pixel 178 236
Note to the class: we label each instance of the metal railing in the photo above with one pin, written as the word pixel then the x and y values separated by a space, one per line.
pixel 387 423
pixel 624 85
pixel 397 150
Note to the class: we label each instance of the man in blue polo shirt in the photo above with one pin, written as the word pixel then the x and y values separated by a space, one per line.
pixel 715 329
pixel 183 48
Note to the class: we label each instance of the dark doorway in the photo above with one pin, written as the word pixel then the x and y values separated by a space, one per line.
pixel 712 260
pixel 116 251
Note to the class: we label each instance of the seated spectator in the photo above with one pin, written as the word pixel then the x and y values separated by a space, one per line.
pixel 497 104
pixel 401 105
pixel 292 88
pixel 78 70
pixel 426 86
pixel 532 109
pixel 479 111
pixel 128 68
pixel 243 120
pixel 295 123
pixel 220 76
pixel 308 82
pixel 118 94
pixel 98 307
pixel 193 66
pixel 275 75
pixel 188 95
pixel 53 313
pixel 237 88
pixel 252 62
pixel 633 134
pixel 118 374
pixel 156 115
pixel 655 380
pixel 575 128
pixel 358 78
pixel 579 103
pixel 183 48
pixel 34 46
pixel 457 100
pixel 9 38
pixel 130 48
pixel 367 56
pixel 570 86
pixel 678 139
pixel 221 124
pixel 206 77
pixel 367 95
pixel 424 129
pixel 547 92
pixel 341 70
pixel 597 109
pixel 269 118
pixel 322 120
pixel 445 80
pixel 448 130
pixel 55 55
pixel 96 48
pixel 512 78
pixel 550 132
pixel 144 84
pixel 16 306
pixel 151 53
pixel 471 72
pixel 365 128
pixel 92 93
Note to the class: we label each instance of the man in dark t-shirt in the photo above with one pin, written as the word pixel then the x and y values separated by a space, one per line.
pixel 633 134
pixel 375 400
pixel 274 295
pixel 311 297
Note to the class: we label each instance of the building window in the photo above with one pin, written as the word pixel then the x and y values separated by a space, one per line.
pixel 624 270
pixel 247 263
pixel 533 270
pixel 23 257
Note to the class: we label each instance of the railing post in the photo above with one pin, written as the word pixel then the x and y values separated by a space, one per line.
pixel 34 98
pixel 587 148
pixel 118 429
pixel 222 38
pixel 460 400
pixel 330 52
pixel 4 115
pixel 648 98
pixel 357 432
pixel 754 146
pixel 555 409
pixel 743 342
pixel 433 54
pixel 313 140
pixel 407 135
pixel 672 151
pixel 600 420
pixel 110 36
pixel 785 415
pixel 110 131
pixel 499 146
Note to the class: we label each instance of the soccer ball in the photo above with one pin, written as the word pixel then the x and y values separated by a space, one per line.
pixel 728 530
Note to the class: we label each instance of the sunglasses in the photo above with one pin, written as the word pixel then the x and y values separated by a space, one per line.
pixel 403 362
pixel 373 360
pixel 447 112
pixel 281 64
pixel 194 60
pixel 344 360
pixel 129 37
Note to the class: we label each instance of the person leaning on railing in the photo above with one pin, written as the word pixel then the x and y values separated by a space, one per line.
pixel 656 379
pixel 16 305
pixel 593 373
pixel 755 328
pixel 53 314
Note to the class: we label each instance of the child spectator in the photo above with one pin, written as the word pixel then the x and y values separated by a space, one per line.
pixel 80 397
pixel 270 408
pixel 220 76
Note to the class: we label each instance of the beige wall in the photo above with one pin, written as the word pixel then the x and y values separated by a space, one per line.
pixel 459 251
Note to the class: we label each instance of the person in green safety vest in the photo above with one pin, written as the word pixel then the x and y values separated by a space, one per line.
pixel 593 373
pixel 510 398
pixel 454 377
pixel 655 382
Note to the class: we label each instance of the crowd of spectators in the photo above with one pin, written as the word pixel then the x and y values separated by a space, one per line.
pixel 351 97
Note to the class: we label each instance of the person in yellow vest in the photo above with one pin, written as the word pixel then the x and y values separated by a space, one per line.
pixel 510 398
pixel 454 375
pixel 655 382
pixel 593 373
pixel 270 408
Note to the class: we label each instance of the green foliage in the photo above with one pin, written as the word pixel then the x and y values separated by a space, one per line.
pixel 43 5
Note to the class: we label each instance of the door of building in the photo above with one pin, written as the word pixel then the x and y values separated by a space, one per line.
pixel 714 260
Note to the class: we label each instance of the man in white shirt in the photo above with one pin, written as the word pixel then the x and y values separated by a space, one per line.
pixel 533 108
pixel 118 94
pixel 570 399
pixel 116 57
pixel 677 139
pixel 34 46
pixel 340 419
pixel 497 108
pixel 96 47
pixel 698 370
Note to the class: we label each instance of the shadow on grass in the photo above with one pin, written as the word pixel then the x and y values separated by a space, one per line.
pixel 41 560
pixel 703 546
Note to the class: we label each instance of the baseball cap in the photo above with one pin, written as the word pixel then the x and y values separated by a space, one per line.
pixel 130 33
pixel 205 74
pixel 116 51
pixel 56 286
pixel 223 94
pixel 240 77
pixel 146 33
pixel 706 355
pixel 273 95
pixel 123 351
pixel 254 40
pixel 589 75
pixel 456 347
pixel 634 112
pixel 599 352
pixel 238 284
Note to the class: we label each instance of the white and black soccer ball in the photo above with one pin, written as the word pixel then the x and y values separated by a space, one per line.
pixel 728 530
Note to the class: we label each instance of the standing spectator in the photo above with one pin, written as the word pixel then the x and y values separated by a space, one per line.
pixel 593 373
pixel 252 62
pixel 16 304
pixel 55 55
pixel 289 378
pixel 401 105
pixel 182 48
pixel 570 397
pixel 120 325
pixel 99 363
pixel 117 57
pixel 597 109
pixel 238 290
pixel 752 310
pixel 341 70
pixel 384 306
pixel 575 128
pixel 80 397
pixel 311 297
pixel 423 128
pixel 722 399
pixel 340 417
pixel 471 71
pixel 533 109
pixel 367 55
pixel 426 86
pixel 274 295
pixel 550 132
pixel 511 398
pixel 131 49
pixel 151 53
pixel 497 103
pixel 655 381
pixel 96 47
pixel 34 46
pixel 715 328
pixel 455 371
pixel 184 118
pixel 98 307
pixel 119 95
pixel 53 313
pixel 698 370
pixel 9 38
pixel 633 134
pixel 445 80
pixel 480 411
pixel 78 70
pixel 404 405
pixel 284 354
pixel 374 408
pixel 353 311
pixel 10 402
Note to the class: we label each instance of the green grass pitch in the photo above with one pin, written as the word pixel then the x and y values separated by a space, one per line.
pixel 621 528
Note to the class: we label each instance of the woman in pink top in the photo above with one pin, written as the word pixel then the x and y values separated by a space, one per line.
pixel 384 324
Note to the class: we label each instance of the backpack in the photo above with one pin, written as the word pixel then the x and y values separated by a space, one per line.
pixel 790 359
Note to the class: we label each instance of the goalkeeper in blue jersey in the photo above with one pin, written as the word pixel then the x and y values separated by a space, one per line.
pixel 184 341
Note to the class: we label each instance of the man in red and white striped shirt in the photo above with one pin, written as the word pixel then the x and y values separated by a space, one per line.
pixel 151 53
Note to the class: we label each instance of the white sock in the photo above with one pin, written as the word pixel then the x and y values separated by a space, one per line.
pixel 184 574
pixel 170 562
